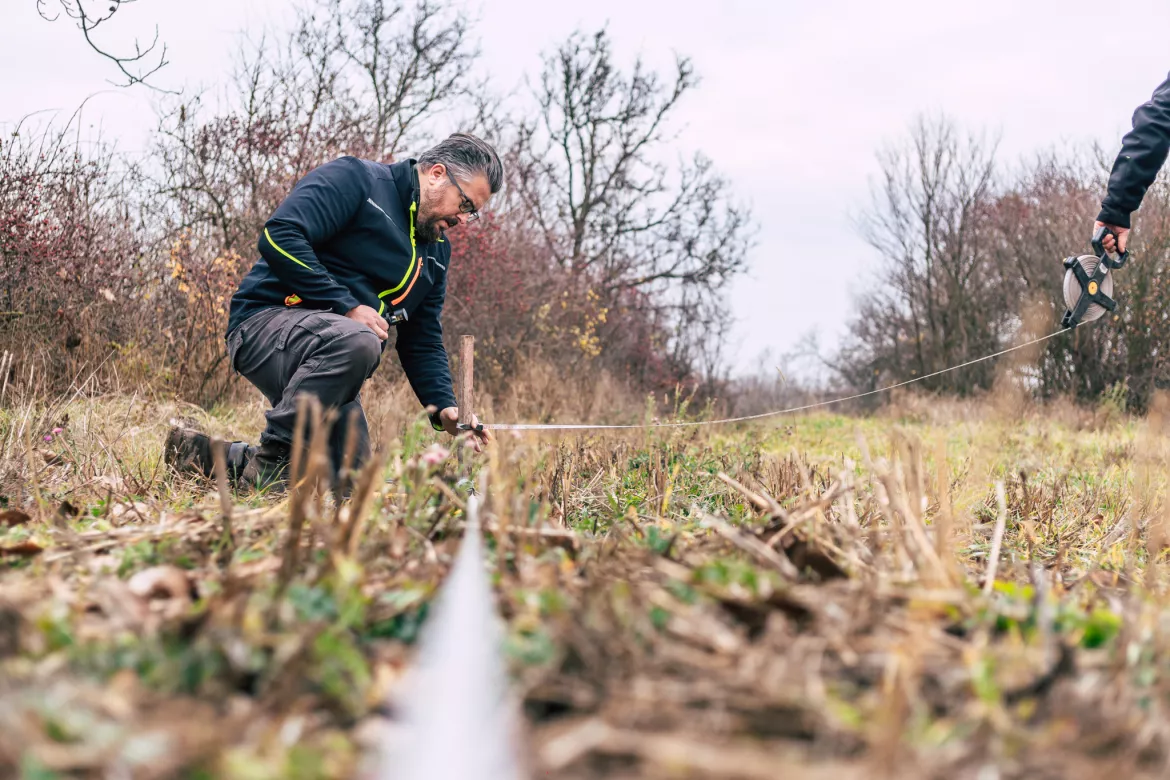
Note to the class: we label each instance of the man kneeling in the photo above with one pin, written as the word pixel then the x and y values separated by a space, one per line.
pixel 357 247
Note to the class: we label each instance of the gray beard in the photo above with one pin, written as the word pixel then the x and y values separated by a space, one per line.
pixel 427 232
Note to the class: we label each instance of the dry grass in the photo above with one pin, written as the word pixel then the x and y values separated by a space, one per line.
pixel 806 599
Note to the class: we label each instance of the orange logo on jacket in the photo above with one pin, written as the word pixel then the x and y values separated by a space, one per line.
pixel 292 300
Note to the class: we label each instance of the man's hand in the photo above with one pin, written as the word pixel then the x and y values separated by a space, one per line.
pixel 368 317
pixel 449 418
pixel 1113 246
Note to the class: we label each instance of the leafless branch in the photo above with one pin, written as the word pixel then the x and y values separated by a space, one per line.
pixel 136 67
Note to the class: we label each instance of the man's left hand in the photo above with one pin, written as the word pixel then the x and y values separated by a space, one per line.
pixel 449 418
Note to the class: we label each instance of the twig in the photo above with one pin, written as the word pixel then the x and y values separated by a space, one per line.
pixel 927 557
pixel 451 495
pixel 344 476
pixel 945 521
pixel 219 463
pixel 1042 609
pixel 359 504
pixel 5 369
pixel 752 546
pixel 89 23
pixel 301 462
pixel 996 539
pixel 808 512
pixel 761 503
pixel 561 537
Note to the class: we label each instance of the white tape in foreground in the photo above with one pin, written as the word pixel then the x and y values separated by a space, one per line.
pixel 456 718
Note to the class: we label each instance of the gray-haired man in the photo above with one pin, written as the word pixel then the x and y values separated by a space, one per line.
pixel 357 247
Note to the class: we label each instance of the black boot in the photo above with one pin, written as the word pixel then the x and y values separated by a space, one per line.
pixel 189 451
pixel 267 468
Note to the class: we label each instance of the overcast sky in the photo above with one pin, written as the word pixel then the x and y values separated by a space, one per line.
pixel 795 99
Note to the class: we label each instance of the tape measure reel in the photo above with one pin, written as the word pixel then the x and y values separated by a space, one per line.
pixel 1088 285
pixel 1087 288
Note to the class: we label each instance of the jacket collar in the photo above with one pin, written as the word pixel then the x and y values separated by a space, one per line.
pixel 405 174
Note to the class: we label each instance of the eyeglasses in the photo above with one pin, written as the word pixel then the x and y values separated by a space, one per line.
pixel 466 204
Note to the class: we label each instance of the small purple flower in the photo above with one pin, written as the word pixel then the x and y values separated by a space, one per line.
pixel 57 430
pixel 48 437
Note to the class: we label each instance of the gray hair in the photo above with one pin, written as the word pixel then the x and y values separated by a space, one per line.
pixel 466 156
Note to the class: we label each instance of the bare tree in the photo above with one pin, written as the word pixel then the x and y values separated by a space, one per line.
pixel 92 14
pixel 937 301
pixel 353 77
pixel 405 62
pixel 972 264
pixel 590 170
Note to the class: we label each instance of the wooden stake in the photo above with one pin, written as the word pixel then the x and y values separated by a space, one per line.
pixel 465 394
pixel 466 397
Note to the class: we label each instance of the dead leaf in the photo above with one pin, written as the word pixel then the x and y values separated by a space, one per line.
pixel 25 549
pixel 65 512
pixel 130 510
pixel 807 556
pixel 112 482
pixel 10 624
pixel 119 696
pixel 50 458
pixel 246 571
pixel 160 582
pixel 11 517
pixel 122 608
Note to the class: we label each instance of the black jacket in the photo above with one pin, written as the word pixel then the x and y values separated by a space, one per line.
pixel 344 236
pixel 1143 150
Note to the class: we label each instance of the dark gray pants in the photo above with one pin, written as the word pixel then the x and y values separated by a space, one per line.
pixel 288 351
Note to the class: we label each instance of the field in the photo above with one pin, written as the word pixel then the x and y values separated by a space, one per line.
pixel 938 590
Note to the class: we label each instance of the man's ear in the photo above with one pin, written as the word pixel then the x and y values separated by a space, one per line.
pixel 438 172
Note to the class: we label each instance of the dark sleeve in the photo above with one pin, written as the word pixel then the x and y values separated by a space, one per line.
pixel 424 358
pixel 319 205
pixel 1143 150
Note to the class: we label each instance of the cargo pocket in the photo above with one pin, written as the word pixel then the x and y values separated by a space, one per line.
pixel 334 334
pixel 319 323
pixel 250 344
pixel 289 320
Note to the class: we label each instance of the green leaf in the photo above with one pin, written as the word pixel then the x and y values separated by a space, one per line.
pixel 1100 627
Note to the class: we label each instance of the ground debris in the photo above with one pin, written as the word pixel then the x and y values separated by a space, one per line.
pixel 809 617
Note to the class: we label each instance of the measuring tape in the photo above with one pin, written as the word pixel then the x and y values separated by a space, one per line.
pixel 762 415
pixel 458 723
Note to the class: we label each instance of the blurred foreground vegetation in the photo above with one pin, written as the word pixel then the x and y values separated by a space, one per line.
pixel 807 596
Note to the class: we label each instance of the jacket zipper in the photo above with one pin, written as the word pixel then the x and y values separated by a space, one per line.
pixel 414 266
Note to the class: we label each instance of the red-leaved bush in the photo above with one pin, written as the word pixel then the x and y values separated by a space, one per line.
pixel 69 252
pixel 504 288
